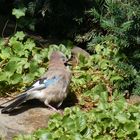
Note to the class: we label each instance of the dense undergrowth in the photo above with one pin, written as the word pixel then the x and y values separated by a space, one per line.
pixel 94 80
pixel 21 62
pixel 89 23
pixel 95 116
pixel 115 120
pixel 109 30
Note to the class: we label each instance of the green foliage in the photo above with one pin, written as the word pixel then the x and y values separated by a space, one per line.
pixel 91 83
pixel 59 18
pixel 136 89
pixel 117 18
pixel 23 21
pixel 116 22
pixel 104 71
pixel 21 62
pixel 116 120
pixel 19 12
pixel 111 30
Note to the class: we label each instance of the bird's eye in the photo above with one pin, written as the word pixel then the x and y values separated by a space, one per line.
pixel 63 58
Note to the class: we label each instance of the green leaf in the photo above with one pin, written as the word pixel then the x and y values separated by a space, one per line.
pixel 29 45
pixel 5 53
pixel 116 78
pixel 126 25
pixel 121 133
pixel 122 117
pixel 41 71
pixel 33 66
pixel 19 12
pixel 131 126
pixel 38 58
pixel 3 76
pixel 18 49
pixel 98 48
pixel 6 75
pixel 104 64
pixel 77 136
pixel 28 78
pixel 11 66
pixel 19 35
pixel 15 78
pixel 26 65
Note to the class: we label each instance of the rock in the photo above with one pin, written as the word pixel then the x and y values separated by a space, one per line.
pixel 24 120
pixel 3 130
pixel 76 51
pixel 134 99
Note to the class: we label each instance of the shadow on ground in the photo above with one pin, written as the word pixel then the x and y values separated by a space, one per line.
pixel 27 117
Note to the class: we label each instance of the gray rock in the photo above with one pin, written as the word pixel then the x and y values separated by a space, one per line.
pixel 24 120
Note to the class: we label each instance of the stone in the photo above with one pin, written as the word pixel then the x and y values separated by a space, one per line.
pixel 24 120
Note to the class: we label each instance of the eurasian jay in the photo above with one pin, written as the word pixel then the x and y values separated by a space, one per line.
pixel 52 87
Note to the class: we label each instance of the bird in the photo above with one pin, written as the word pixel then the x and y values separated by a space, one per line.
pixel 75 52
pixel 52 87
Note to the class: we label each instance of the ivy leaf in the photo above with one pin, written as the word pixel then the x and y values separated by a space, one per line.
pixel 122 118
pixel 19 35
pixel 11 66
pixel 38 58
pixel 131 126
pixel 5 53
pixel 29 45
pixel 2 76
pixel 33 67
pixel 15 78
pixel 28 78
pixel 41 71
pixel 19 12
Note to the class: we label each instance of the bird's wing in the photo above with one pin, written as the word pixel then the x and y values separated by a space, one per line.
pixel 59 82
pixel 38 85
pixel 43 83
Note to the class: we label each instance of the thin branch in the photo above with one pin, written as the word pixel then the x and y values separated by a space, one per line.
pixel 4 28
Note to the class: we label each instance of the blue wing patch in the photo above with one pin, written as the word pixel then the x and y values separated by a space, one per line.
pixel 43 83
pixel 48 82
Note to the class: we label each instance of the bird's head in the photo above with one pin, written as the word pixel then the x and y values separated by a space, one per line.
pixel 58 57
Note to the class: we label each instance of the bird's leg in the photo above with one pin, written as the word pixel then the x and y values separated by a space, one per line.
pixel 52 107
pixel 47 104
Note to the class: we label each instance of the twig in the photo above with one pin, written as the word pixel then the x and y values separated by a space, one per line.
pixel 4 28
pixel 15 28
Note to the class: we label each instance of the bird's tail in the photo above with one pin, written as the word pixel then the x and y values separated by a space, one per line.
pixel 16 102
